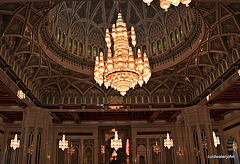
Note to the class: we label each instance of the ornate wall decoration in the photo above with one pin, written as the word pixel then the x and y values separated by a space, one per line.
pixel 88 151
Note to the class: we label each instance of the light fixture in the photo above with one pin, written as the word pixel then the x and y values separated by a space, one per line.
pixel 165 4
pixel 127 147
pixel 168 142
pixel 20 94
pixel 15 143
pixel 156 148
pixel 71 150
pixel 114 154
pixel 116 143
pixel 63 144
pixel 239 72
pixel 208 97
pixel 180 151
pixel 121 71
pixel 30 149
pixel 216 139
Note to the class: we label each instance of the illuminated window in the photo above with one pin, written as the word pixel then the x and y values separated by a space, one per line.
pixel 159 44
pixel 180 31
pixel 59 34
pixel 164 43
pixel 172 38
pixel 89 51
pixel 94 51
pixel 176 34
pixel 153 48
pixel 80 47
pixel 75 46
pixel 63 38
pixel 70 43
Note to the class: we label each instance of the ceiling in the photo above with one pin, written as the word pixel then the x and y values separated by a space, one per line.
pixel 59 82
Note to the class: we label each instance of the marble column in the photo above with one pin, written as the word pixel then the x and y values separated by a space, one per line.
pixel 36 131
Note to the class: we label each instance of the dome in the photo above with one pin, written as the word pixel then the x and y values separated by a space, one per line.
pixel 78 29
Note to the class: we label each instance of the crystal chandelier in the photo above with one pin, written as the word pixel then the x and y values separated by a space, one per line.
pixel 63 144
pixel 15 143
pixel 156 148
pixel 121 71
pixel 165 4
pixel 168 142
pixel 116 143
pixel 216 139
pixel 180 151
pixel 21 95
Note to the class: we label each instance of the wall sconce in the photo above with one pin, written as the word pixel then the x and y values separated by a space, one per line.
pixel 21 95
pixel 208 97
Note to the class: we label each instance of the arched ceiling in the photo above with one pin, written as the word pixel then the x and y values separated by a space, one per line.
pixel 90 19
pixel 30 66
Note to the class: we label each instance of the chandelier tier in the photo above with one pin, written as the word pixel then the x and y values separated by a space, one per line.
pixel 216 139
pixel 116 143
pixel 121 71
pixel 168 142
pixel 165 4
pixel 63 144
pixel 15 143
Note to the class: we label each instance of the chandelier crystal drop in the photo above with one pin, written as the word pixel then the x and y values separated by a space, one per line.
pixel 165 4
pixel 63 144
pixel 216 139
pixel 116 143
pixel 168 142
pixel 121 71
pixel 15 143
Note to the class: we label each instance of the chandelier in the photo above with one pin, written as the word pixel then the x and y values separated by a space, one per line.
pixel 156 148
pixel 165 4
pixel 63 144
pixel 15 143
pixel 216 139
pixel 116 143
pixel 168 142
pixel 180 151
pixel 121 71
pixel 21 95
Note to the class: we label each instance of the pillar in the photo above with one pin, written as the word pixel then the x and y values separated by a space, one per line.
pixel 36 131
pixel 198 123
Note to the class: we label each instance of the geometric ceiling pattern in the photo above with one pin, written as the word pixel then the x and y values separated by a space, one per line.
pixel 52 82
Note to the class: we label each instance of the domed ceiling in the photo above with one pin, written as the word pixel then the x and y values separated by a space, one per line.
pixel 53 76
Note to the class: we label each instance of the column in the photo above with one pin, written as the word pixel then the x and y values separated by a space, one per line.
pixel 179 142
pixel 36 131
pixel 197 121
